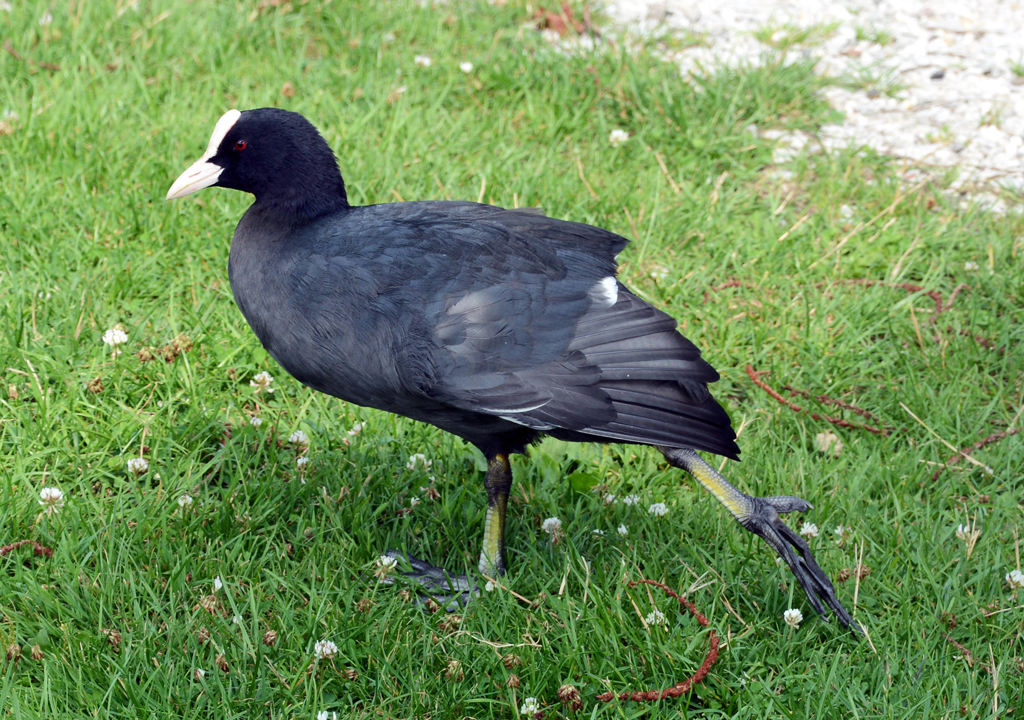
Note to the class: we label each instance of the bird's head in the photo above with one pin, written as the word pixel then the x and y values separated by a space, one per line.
pixel 276 155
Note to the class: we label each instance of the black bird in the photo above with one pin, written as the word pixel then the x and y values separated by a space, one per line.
pixel 499 326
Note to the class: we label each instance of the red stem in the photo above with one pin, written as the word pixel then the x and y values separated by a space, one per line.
pixel 793 406
pixel 38 549
pixel 680 687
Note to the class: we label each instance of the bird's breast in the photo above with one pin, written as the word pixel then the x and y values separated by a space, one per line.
pixel 320 322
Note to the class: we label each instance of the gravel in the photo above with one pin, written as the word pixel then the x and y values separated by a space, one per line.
pixel 939 84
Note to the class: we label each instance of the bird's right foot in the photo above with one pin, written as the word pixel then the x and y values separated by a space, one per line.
pixel 760 515
pixel 762 519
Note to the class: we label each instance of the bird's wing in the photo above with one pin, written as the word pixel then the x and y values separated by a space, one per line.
pixel 625 374
pixel 536 329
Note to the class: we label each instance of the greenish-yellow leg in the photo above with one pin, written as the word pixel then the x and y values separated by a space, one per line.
pixel 454 590
pixel 498 483
pixel 760 515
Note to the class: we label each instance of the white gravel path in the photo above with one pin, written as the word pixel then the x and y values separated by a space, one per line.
pixel 961 104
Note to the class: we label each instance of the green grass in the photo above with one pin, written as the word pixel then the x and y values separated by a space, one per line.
pixel 87 241
pixel 875 35
pixel 875 79
pixel 784 36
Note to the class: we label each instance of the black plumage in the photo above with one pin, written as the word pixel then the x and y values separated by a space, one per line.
pixel 476 319
pixel 499 326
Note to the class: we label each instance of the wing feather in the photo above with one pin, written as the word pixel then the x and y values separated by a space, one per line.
pixel 624 374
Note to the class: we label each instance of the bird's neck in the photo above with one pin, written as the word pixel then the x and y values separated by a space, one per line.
pixel 301 203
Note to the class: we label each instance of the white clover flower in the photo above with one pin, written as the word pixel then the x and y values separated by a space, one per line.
pixel 489 587
pixel 793 617
pixel 388 37
pixel 424 61
pixel 659 272
pixel 52 500
pixel 530 707
pixel 387 562
pixel 466 67
pixel 845 211
pixel 261 381
pixel 550 35
pixel 217 584
pixel 552 526
pixel 609 499
pixel 184 500
pixel 413 502
pixel 631 500
pixel 237 619
pixel 1015 579
pixel 299 439
pixel 325 649
pixel 255 421
pixel 46 19
pixel 658 509
pixel 969 535
pixel 418 458
pixel 828 443
pixel 5 6
pixel 115 336
pixel 326 715
pixel 623 530
pixel 356 429
pixel 843 535
pixel 970 265
pixel 809 530
pixel 656 617
pixel 385 566
pixel 138 466
pixel 302 462
pixel 599 533
pixel 429 491
pixel 617 137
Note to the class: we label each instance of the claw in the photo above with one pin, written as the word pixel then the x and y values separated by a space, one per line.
pixel 448 590
pixel 764 521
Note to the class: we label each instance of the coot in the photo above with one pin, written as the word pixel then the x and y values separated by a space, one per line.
pixel 500 326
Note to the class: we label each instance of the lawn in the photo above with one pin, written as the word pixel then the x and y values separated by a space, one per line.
pixel 841 286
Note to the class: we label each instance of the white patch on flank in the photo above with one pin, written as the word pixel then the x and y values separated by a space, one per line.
pixel 498 411
pixel 511 416
pixel 202 173
pixel 605 292
pixel 531 425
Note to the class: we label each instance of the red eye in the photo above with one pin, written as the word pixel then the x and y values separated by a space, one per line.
pixel 240 145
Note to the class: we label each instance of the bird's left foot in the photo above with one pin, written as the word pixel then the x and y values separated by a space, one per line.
pixel 448 590
pixel 761 517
